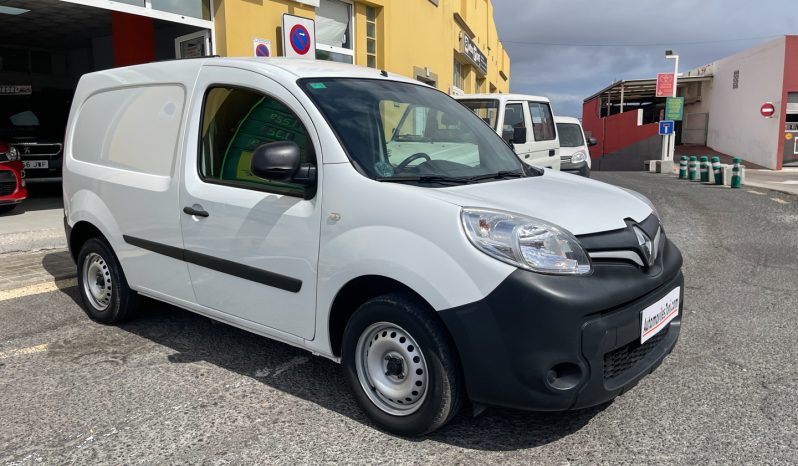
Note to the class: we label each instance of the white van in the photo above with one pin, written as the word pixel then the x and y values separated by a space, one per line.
pixel 523 121
pixel 574 152
pixel 301 201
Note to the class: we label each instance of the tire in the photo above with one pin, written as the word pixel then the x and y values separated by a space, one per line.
pixel 395 343
pixel 103 288
pixel 7 208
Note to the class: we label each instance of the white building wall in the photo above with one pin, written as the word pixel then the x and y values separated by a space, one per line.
pixel 695 112
pixel 735 125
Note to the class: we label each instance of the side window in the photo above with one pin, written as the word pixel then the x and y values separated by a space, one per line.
pixel 513 118
pixel 542 121
pixel 234 122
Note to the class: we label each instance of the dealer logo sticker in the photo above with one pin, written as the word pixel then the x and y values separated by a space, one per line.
pixel 657 316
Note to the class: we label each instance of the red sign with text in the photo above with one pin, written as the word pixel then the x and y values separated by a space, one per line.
pixel 664 84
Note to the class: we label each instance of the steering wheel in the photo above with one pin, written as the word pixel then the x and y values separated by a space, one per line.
pixel 418 155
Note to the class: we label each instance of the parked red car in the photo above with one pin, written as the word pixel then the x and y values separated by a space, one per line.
pixel 12 178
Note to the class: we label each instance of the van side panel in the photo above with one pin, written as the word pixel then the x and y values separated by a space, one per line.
pixel 121 152
pixel 386 232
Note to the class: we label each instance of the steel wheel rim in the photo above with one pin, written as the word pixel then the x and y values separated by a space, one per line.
pixel 97 283
pixel 391 369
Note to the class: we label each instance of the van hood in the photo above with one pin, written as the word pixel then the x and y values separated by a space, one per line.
pixel 580 205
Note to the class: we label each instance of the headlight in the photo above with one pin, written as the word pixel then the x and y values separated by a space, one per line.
pixel 12 154
pixel 525 242
pixel 578 157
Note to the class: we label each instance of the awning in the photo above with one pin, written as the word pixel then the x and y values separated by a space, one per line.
pixel 640 89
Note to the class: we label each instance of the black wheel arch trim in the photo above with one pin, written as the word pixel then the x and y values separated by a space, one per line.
pixel 225 266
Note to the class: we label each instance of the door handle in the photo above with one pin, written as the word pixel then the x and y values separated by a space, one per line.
pixel 195 212
pixel 551 153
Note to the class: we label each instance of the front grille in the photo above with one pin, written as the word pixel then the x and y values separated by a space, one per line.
pixel 617 362
pixel 7 188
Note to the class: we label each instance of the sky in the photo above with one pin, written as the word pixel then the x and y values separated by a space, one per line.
pixel 568 50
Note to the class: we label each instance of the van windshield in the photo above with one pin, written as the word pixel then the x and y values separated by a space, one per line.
pixel 403 132
pixel 570 135
pixel 487 110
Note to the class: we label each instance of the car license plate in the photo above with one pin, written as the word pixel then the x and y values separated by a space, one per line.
pixel 656 317
pixel 36 164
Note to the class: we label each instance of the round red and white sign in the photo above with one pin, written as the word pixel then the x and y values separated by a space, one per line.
pixel 767 110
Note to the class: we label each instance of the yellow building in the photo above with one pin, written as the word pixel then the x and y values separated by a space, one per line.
pixel 451 44
pixel 48 44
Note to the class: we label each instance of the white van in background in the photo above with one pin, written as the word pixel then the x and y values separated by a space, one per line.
pixel 524 121
pixel 574 152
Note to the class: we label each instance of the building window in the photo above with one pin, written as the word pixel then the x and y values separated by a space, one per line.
pixel 334 31
pixel 371 37
pixel 194 8
pixel 459 75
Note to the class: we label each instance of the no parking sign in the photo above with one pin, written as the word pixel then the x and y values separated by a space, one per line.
pixel 299 37
pixel 262 47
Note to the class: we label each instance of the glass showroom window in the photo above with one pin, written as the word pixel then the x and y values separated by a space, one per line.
pixel 335 31
pixel 194 8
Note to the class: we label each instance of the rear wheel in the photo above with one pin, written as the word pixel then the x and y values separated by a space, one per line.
pixel 401 365
pixel 103 287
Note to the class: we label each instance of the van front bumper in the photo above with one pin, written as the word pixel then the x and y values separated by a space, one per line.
pixel 578 168
pixel 552 343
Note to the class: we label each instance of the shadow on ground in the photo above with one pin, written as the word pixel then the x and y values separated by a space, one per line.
pixel 195 338
pixel 59 265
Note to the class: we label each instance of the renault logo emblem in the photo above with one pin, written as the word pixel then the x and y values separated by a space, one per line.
pixel 646 245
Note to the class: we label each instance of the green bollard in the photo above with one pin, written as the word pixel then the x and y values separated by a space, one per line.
pixel 683 167
pixel 692 168
pixel 716 170
pixel 736 181
pixel 704 169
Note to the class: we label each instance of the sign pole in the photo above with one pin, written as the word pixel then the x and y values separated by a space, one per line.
pixel 672 137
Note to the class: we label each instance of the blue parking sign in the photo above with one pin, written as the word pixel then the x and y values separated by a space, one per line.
pixel 665 127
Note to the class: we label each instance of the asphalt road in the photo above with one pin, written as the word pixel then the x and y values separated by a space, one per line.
pixel 173 387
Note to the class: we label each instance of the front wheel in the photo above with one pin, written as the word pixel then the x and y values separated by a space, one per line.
pixel 401 365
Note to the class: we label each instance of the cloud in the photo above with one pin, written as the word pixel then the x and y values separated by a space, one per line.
pixel 603 41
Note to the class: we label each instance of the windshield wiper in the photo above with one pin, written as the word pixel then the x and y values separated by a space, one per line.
pixel 497 175
pixel 425 179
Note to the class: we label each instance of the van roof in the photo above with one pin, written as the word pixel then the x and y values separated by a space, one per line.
pixel 534 98
pixel 287 68
pixel 566 119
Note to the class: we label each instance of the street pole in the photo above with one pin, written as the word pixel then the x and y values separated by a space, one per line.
pixel 672 137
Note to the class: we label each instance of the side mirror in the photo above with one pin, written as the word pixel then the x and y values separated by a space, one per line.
pixel 276 161
pixel 519 136
pixel 591 141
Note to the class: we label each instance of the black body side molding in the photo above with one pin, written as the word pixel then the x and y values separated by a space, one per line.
pixel 220 265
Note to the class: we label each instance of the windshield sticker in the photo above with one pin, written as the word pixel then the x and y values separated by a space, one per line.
pixel 317 86
pixel 383 168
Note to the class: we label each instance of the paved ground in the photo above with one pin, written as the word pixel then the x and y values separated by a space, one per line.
pixel 37 223
pixel 785 180
pixel 20 269
pixel 173 387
